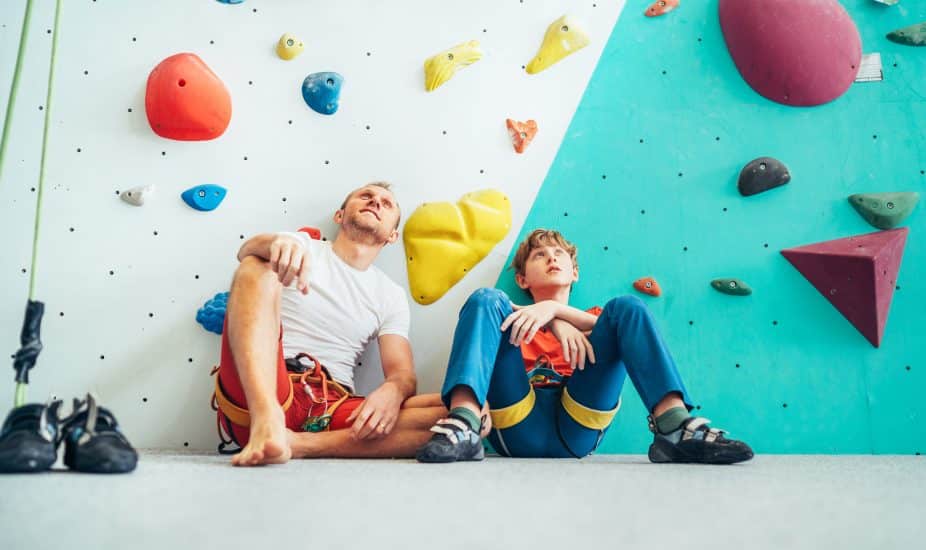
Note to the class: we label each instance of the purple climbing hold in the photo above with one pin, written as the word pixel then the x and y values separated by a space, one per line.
pixel 856 274
pixel 795 52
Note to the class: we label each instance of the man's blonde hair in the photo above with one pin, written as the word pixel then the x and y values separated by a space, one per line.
pixel 538 238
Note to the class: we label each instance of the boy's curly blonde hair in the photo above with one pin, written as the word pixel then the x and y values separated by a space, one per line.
pixel 538 238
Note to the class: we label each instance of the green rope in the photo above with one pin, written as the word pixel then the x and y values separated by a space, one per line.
pixel 20 397
pixel 14 86
pixel 38 202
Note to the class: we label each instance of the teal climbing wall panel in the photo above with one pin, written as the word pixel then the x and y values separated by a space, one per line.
pixel 645 184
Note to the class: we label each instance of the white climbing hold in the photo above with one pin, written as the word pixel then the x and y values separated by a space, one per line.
pixel 136 196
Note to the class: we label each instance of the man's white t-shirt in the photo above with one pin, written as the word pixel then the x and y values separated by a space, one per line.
pixel 343 311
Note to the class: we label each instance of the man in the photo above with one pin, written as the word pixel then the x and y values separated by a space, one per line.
pixel 293 295
pixel 576 363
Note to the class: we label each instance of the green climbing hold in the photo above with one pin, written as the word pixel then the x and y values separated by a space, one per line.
pixel 914 35
pixel 734 287
pixel 885 210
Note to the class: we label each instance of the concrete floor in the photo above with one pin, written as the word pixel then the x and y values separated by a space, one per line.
pixel 186 500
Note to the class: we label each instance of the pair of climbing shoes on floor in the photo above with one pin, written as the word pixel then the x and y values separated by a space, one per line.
pixel 32 433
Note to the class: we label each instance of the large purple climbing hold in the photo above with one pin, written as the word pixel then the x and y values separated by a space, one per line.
pixel 762 174
pixel 795 52
pixel 212 315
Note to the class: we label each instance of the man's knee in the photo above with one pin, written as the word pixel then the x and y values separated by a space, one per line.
pixel 255 274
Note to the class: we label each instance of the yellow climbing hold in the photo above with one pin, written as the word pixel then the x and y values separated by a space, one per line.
pixel 564 37
pixel 439 68
pixel 289 47
pixel 443 241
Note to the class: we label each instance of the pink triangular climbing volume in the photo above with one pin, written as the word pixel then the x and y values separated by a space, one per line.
pixel 856 274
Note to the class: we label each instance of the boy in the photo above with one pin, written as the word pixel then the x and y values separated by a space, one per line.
pixel 576 363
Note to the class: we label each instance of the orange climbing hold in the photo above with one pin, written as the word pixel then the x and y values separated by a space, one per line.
pixel 661 7
pixel 648 285
pixel 186 101
pixel 522 133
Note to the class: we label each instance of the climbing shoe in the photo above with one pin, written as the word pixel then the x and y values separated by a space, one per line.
pixel 694 441
pixel 93 441
pixel 453 440
pixel 29 438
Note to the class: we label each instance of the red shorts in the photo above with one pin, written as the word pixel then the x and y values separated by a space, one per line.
pixel 299 408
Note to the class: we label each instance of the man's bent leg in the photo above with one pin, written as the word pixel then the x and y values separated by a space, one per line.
pixel 253 325
pixel 412 429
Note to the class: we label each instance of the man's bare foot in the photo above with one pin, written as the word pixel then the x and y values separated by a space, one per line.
pixel 268 443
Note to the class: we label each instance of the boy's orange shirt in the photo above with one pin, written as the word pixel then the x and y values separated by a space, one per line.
pixel 543 357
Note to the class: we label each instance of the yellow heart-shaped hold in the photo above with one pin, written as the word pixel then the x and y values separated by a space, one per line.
pixel 443 241
pixel 564 37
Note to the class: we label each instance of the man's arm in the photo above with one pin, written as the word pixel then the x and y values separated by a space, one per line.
pixel 395 353
pixel 287 256
pixel 258 245
pixel 378 413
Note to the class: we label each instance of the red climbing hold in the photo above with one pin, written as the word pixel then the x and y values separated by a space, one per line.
pixel 856 274
pixel 313 232
pixel 648 285
pixel 186 101
pixel 522 133
pixel 660 7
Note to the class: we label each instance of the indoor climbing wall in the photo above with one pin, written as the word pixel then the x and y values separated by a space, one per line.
pixel 122 283
pixel 645 183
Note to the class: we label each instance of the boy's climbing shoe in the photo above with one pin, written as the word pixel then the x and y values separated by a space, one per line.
pixel 453 440
pixel 93 441
pixel 694 441
pixel 29 438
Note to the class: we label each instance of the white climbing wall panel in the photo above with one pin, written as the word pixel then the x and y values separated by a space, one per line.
pixel 122 284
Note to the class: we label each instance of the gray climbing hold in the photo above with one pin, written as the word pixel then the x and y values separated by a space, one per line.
pixel 734 287
pixel 884 210
pixel 137 196
pixel 762 174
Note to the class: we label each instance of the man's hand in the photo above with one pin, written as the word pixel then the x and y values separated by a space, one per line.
pixel 527 320
pixel 576 346
pixel 289 261
pixel 376 416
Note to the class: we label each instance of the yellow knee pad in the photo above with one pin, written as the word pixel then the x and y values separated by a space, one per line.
pixel 590 418
pixel 514 414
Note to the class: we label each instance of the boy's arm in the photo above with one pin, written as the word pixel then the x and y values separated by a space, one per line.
pixel 582 320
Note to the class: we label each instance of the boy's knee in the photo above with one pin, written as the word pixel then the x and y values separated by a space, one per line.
pixel 628 302
pixel 487 297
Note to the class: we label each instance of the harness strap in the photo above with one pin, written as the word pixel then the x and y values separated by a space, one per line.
pixel 236 414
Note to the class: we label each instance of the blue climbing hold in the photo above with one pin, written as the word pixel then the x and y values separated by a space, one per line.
pixel 212 315
pixel 204 197
pixel 321 92
pixel 231 1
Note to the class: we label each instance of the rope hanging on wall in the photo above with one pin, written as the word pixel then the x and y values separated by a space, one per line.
pixel 30 342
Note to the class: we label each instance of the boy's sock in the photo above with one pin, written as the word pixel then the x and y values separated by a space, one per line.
pixel 670 420
pixel 468 416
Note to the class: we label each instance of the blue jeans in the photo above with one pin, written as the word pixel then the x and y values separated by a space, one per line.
pixel 566 421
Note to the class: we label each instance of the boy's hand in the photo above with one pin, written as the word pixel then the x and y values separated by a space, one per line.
pixel 289 261
pixel 527 320
pixel 576 346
